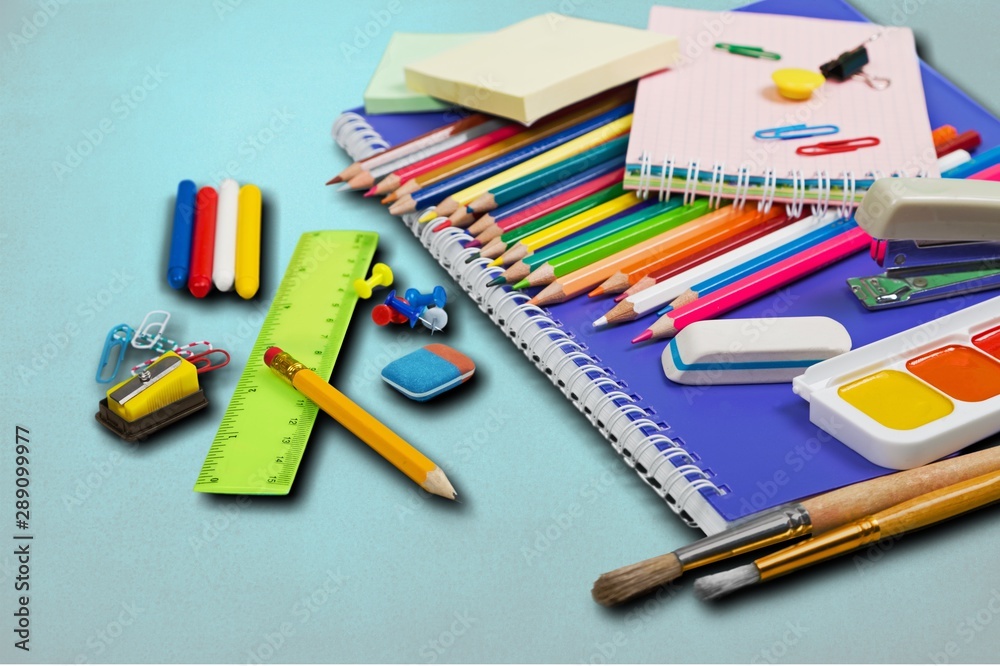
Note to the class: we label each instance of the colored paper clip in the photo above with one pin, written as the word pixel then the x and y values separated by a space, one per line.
pixel 934 238
pixel 148 333
pixel 118 337
pixel 842 146
pixel 211 359
pixel 748 51
pixel 188 351
pixel 795 132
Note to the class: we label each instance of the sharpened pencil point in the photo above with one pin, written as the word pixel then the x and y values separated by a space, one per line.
pixel 621 297
pixel 597 291
pixel 371 192
pixel 498 280
pixel 473 243
pixel 496 262
pixel 334 180
pixel 427 217
pixel 642 337
pixel 523 284
pixel 598 323
pixel 441 227
pixel 345 187
pixel 472 258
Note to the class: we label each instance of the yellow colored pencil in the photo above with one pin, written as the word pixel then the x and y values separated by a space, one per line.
pixel 404 457
pixel 589 140
pixel 248 241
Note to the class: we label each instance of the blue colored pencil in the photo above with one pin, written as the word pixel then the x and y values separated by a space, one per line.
pixel 751 266
pixel 439 191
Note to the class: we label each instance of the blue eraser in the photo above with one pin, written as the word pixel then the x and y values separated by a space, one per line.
pixel 428 372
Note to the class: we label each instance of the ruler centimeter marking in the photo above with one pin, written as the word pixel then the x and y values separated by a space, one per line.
pixel 264 431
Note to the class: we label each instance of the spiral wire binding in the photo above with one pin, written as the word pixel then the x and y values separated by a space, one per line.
pixel 666 178
pixel 823 195
pixel 846 208
pixel 715 190
pixel 794 207
pixel 691 183
pixel 767 196
pixel 645 175
pixel 359 139
pixel 742 187
pixel 619 415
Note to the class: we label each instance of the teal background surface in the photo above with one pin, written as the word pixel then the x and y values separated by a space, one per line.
pixel 128 564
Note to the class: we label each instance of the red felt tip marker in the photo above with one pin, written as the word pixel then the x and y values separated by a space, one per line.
pixel 203 244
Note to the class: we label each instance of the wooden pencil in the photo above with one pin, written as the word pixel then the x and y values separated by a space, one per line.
pixel 698 236
pixel 763 282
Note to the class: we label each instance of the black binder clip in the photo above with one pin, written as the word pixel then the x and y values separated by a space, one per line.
pixel 850 65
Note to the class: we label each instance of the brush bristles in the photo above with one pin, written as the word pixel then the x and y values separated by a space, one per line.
pixel 629 582
pixel 720 584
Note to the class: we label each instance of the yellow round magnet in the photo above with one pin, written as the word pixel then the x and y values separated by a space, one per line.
pixel 797 84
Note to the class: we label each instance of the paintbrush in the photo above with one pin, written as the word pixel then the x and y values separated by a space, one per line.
pixel 810 516
pixel 914 514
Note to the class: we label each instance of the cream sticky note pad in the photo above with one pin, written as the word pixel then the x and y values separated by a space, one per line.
pixel 540 65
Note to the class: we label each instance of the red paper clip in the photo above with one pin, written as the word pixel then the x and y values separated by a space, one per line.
pixel 205 362
pixel 842 146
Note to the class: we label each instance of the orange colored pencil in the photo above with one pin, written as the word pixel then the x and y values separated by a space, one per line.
pixel 701 234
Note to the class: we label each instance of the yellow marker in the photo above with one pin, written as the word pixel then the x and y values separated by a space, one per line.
pixel 585 142
pixel 423 471
pixel 248 241
pixel 797 84
pixel 896 400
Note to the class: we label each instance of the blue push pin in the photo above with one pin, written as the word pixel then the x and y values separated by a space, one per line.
pixel 437 298
pixel 411 312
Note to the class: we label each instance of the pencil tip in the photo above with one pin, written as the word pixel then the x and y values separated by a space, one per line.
pixel 474 243
pixel 496 281
pixel 427 217
pixel 642 337
pixel 603 321
pixel 371 192
pixel 621 297
pixel 523 284
pixel 597 291
pixel 334 180
pixel 441 227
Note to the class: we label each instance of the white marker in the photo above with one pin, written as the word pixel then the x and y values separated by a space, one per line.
pixel 224 262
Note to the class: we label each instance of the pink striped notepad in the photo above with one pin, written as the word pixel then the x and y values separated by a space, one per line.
pixel 701 116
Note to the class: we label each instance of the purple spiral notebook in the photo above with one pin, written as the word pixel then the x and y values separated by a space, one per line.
pixel 363 135
pixel 713 453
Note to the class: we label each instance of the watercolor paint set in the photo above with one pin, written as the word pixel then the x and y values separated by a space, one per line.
pixel 916 396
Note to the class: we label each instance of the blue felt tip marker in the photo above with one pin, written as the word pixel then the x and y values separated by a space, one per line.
pixel 180 240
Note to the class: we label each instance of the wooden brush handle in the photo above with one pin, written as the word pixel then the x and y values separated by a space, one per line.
pixel 850 503
pixel 939 505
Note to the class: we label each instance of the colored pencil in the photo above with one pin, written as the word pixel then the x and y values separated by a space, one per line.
pixel 565 119
pixel 537 181
pixel 394 180
pixel 727 277
pixel 760 283
pixel 367 177
pixel 620 213
pixel 534 199
pixel 980 162
pixel 572 273
pixel 537 155
pixel 502 221
pixel 409 147
pixel 498 245
pixel 696 237
pixel 651 299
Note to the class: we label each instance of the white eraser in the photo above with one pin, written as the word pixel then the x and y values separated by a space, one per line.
pixel 752 351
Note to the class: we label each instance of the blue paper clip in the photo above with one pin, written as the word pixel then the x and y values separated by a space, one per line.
pixel 795 132
pixel 119 337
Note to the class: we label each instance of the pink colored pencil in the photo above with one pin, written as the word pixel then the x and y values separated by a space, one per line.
pixel 486 228
pixel 989 173
pixel 754 286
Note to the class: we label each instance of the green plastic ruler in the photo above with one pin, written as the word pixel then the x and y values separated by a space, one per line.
pixel 264 432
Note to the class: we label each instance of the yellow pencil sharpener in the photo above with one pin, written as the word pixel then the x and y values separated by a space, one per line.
pixel 164 392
